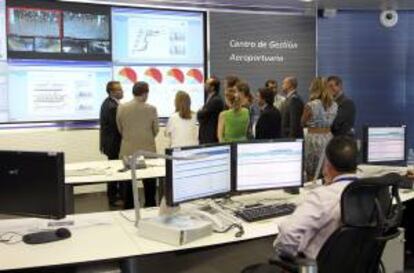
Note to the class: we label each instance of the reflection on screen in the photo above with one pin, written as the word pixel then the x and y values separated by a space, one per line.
pixel 56 90
pixel 269 165
pixel 386 144
pixel 204 177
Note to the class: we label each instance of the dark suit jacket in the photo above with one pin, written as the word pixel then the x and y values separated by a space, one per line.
pixel 292 110
pixel 208 119
pixel 344 121
pixel 269 124
pixel 110 138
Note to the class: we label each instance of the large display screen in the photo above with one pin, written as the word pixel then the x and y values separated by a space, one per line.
pixel 157 36
pixel 58 31
pixel 164 82
pixel 57 57
pixel 164 48
pixel 39 91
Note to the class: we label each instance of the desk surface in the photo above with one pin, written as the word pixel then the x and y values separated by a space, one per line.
pixel 108 235
pixel 106 171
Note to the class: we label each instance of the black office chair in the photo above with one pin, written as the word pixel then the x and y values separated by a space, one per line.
pixel 371 213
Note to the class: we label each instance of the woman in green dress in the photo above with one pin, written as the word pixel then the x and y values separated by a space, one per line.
pixel 233 123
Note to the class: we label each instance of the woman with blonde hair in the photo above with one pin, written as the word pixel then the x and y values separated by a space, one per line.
pixel 318 116
pixel 233 123
pixel 182 125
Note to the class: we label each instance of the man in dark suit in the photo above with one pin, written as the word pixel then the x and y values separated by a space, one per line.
pixel 292 109
pixel 208 115
pixel 344 121
pixel 110 138
pixel 269 123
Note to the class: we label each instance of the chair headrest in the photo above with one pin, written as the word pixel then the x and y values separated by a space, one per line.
pixel 368 202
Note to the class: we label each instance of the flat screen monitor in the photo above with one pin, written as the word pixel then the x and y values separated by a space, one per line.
pixel 57 30
pixel 268 165
pixel 385 145
pixel 46 91
pixel 32 184
pixel 198 172
pixel 165 48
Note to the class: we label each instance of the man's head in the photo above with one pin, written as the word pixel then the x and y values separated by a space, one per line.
pixel 272 85
pixel 335 85
pixel 243 89
pixel 231 81
pixel 289 84
pixel 266 96
pixel 141 90
pixel 114 89
pixel 212 85
pixel 341 157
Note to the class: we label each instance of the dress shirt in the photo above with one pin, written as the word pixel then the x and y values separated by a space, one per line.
pixel 314 221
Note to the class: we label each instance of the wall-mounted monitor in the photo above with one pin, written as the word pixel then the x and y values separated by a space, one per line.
pixel 162 47
pixel 43 91
pixel 53 30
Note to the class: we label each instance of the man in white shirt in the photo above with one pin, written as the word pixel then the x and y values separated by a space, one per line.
pixel 315 220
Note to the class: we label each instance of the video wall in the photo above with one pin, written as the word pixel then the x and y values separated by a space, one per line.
pixel 56 58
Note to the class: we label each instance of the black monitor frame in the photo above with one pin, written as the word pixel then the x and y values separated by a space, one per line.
pixel 235 168
pixel 169 173
pixel 32 168
pixel 365 145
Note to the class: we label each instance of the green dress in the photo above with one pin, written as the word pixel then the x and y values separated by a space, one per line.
pixel 236 124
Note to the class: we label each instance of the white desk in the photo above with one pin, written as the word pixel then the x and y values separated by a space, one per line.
pixel 89 242
pixel 106 172
pixel 110 171
pixel 108 235
pixel 115 238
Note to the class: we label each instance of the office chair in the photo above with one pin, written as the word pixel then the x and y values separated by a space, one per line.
pixel 371 212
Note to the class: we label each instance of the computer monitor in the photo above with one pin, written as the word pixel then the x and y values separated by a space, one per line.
pixel 198 172
pixel 32 184
pixel 385 145
pixel 268 165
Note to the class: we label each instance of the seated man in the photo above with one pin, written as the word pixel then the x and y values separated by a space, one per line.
pixel 315 220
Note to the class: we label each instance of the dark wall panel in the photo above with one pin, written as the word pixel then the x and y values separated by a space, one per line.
pixel 376 64
pixel 284 45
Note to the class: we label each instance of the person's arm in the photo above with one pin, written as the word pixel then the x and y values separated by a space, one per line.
pixel 260 127
pixel 345 118
pixel 300 228
pixel 155 123
pixel 195 129
pixel 220 127
pixel 215 105
pixel 119 119
pixel 168 131
pixel 295 113
pixel 306 116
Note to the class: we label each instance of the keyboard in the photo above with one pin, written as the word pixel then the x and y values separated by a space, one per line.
pixel 263 212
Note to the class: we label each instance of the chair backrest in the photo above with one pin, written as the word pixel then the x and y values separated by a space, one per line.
pixel 371 212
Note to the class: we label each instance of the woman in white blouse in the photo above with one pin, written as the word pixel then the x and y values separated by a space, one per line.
pixel 181 128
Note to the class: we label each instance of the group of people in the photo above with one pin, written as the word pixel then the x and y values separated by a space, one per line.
pixel 272 114
pixel 241 116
